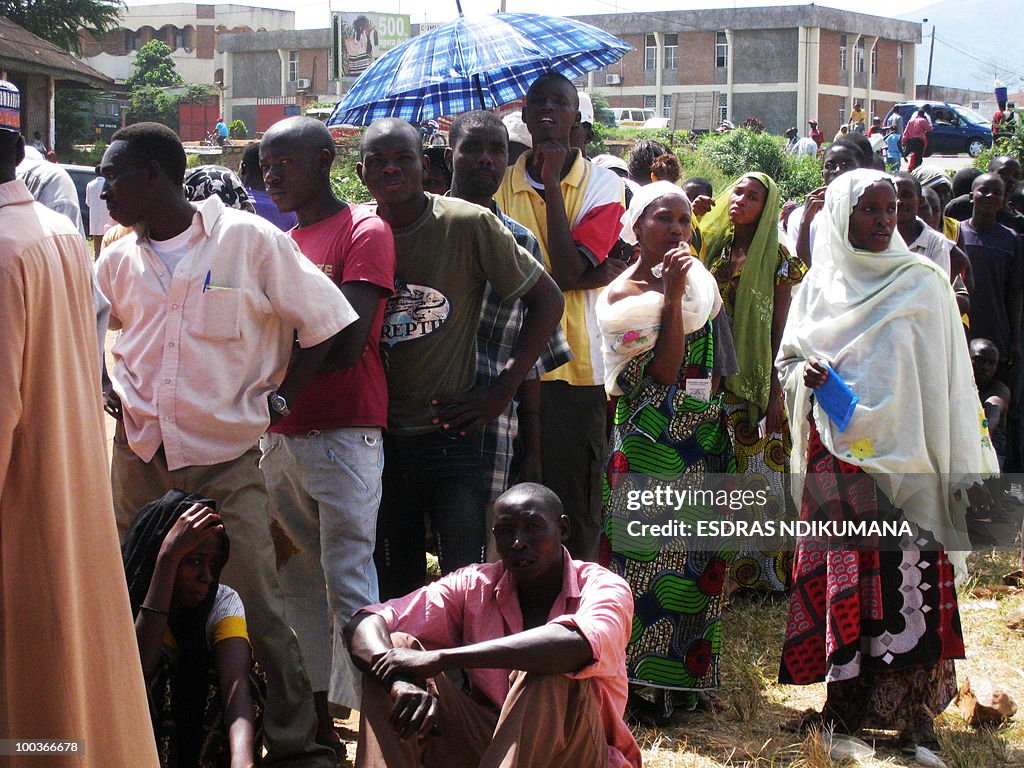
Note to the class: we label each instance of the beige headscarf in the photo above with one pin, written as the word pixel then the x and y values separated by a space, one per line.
pixel 888 324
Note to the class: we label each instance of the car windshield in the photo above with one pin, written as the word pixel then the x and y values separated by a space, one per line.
pixel 971 116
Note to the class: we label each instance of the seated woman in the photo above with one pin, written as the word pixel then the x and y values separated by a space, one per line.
pixel 669 429
pixel 878 622
pixel 205 694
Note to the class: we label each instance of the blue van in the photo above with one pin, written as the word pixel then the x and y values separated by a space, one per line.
pixel 955 129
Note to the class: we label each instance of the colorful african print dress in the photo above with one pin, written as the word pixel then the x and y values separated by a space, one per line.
pixel 663 437
pixel 762 461
pixel 880 625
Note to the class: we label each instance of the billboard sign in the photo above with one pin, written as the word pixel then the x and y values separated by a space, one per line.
pixel 359 39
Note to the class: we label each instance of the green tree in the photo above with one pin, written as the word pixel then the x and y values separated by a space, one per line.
pixel 73 109
pixel 197 93
pixel 153 66
pixel 151 104
pixel 59 20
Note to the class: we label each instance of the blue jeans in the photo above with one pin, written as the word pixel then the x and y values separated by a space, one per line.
pixel 439 476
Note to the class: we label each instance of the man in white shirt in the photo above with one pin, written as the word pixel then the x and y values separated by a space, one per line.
pixel 51 185
pixel 99 218
pixel 208 301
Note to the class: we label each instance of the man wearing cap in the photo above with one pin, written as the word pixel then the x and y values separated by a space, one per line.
pixel 222 131
pixel 583 132
pixel 815 133
pixel 79 678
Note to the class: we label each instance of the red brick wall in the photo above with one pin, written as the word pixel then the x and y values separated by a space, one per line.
pixel 828 60
pixel 828 114
pixel 696 58
pixel 205 41
pixel 887 78
pixel 632 63
pixel 313 65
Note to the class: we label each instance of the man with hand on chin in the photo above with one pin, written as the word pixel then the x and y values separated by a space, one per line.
pixel 574 209
pixel 536 632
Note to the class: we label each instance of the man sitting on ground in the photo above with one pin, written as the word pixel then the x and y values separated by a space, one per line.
pixel 541 638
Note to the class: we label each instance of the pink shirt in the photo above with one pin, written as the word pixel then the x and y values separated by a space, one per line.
pixel 480 602
pixel 202 348
pixel 917 128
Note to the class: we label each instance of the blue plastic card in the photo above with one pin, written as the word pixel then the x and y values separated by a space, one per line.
pixel 836 399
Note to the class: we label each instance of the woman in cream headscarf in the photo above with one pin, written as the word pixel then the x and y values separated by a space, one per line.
pixel 755 274
pixel 668 431
pixel 880 624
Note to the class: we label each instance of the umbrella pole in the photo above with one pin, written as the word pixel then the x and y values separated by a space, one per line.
pixel 458 6
pixel 479 91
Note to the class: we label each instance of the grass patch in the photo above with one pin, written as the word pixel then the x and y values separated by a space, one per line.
pixel 745 734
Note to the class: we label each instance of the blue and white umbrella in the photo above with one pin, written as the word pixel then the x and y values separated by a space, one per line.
pixel 477 62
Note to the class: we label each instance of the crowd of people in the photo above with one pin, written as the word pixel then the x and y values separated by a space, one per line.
pixel 492 372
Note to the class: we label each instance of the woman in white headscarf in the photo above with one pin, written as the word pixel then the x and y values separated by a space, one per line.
pixel 668 430
pixel 877 619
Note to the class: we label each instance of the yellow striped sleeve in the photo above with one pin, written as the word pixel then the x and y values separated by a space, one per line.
pixel 230 626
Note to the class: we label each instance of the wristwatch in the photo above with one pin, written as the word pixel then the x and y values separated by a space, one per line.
pixel 279 405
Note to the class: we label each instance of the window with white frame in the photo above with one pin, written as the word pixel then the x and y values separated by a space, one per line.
pixel 650 102
pixel 842 110
pixel 899 61
pixel 293 66
pixel 671 47
pixel 666 106
pixel 842 53
pixel 874 108
pixel 874 59
pixel 858 57
pixel 651 52
pixel 723 107
pixel 721 50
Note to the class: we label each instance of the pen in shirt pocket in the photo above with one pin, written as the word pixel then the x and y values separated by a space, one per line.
pixel 208 286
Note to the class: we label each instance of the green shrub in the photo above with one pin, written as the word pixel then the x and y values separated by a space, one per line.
pixel 1012 145
pixel 237 130
pixel 346 184
pixel 744 150
pixel 803 174
pixel 692 164
pixel 85 155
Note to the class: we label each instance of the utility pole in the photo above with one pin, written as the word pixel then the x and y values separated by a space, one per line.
pixel 931 53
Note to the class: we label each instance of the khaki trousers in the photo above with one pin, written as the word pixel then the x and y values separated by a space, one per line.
pixel 241 495
pixel 547 721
